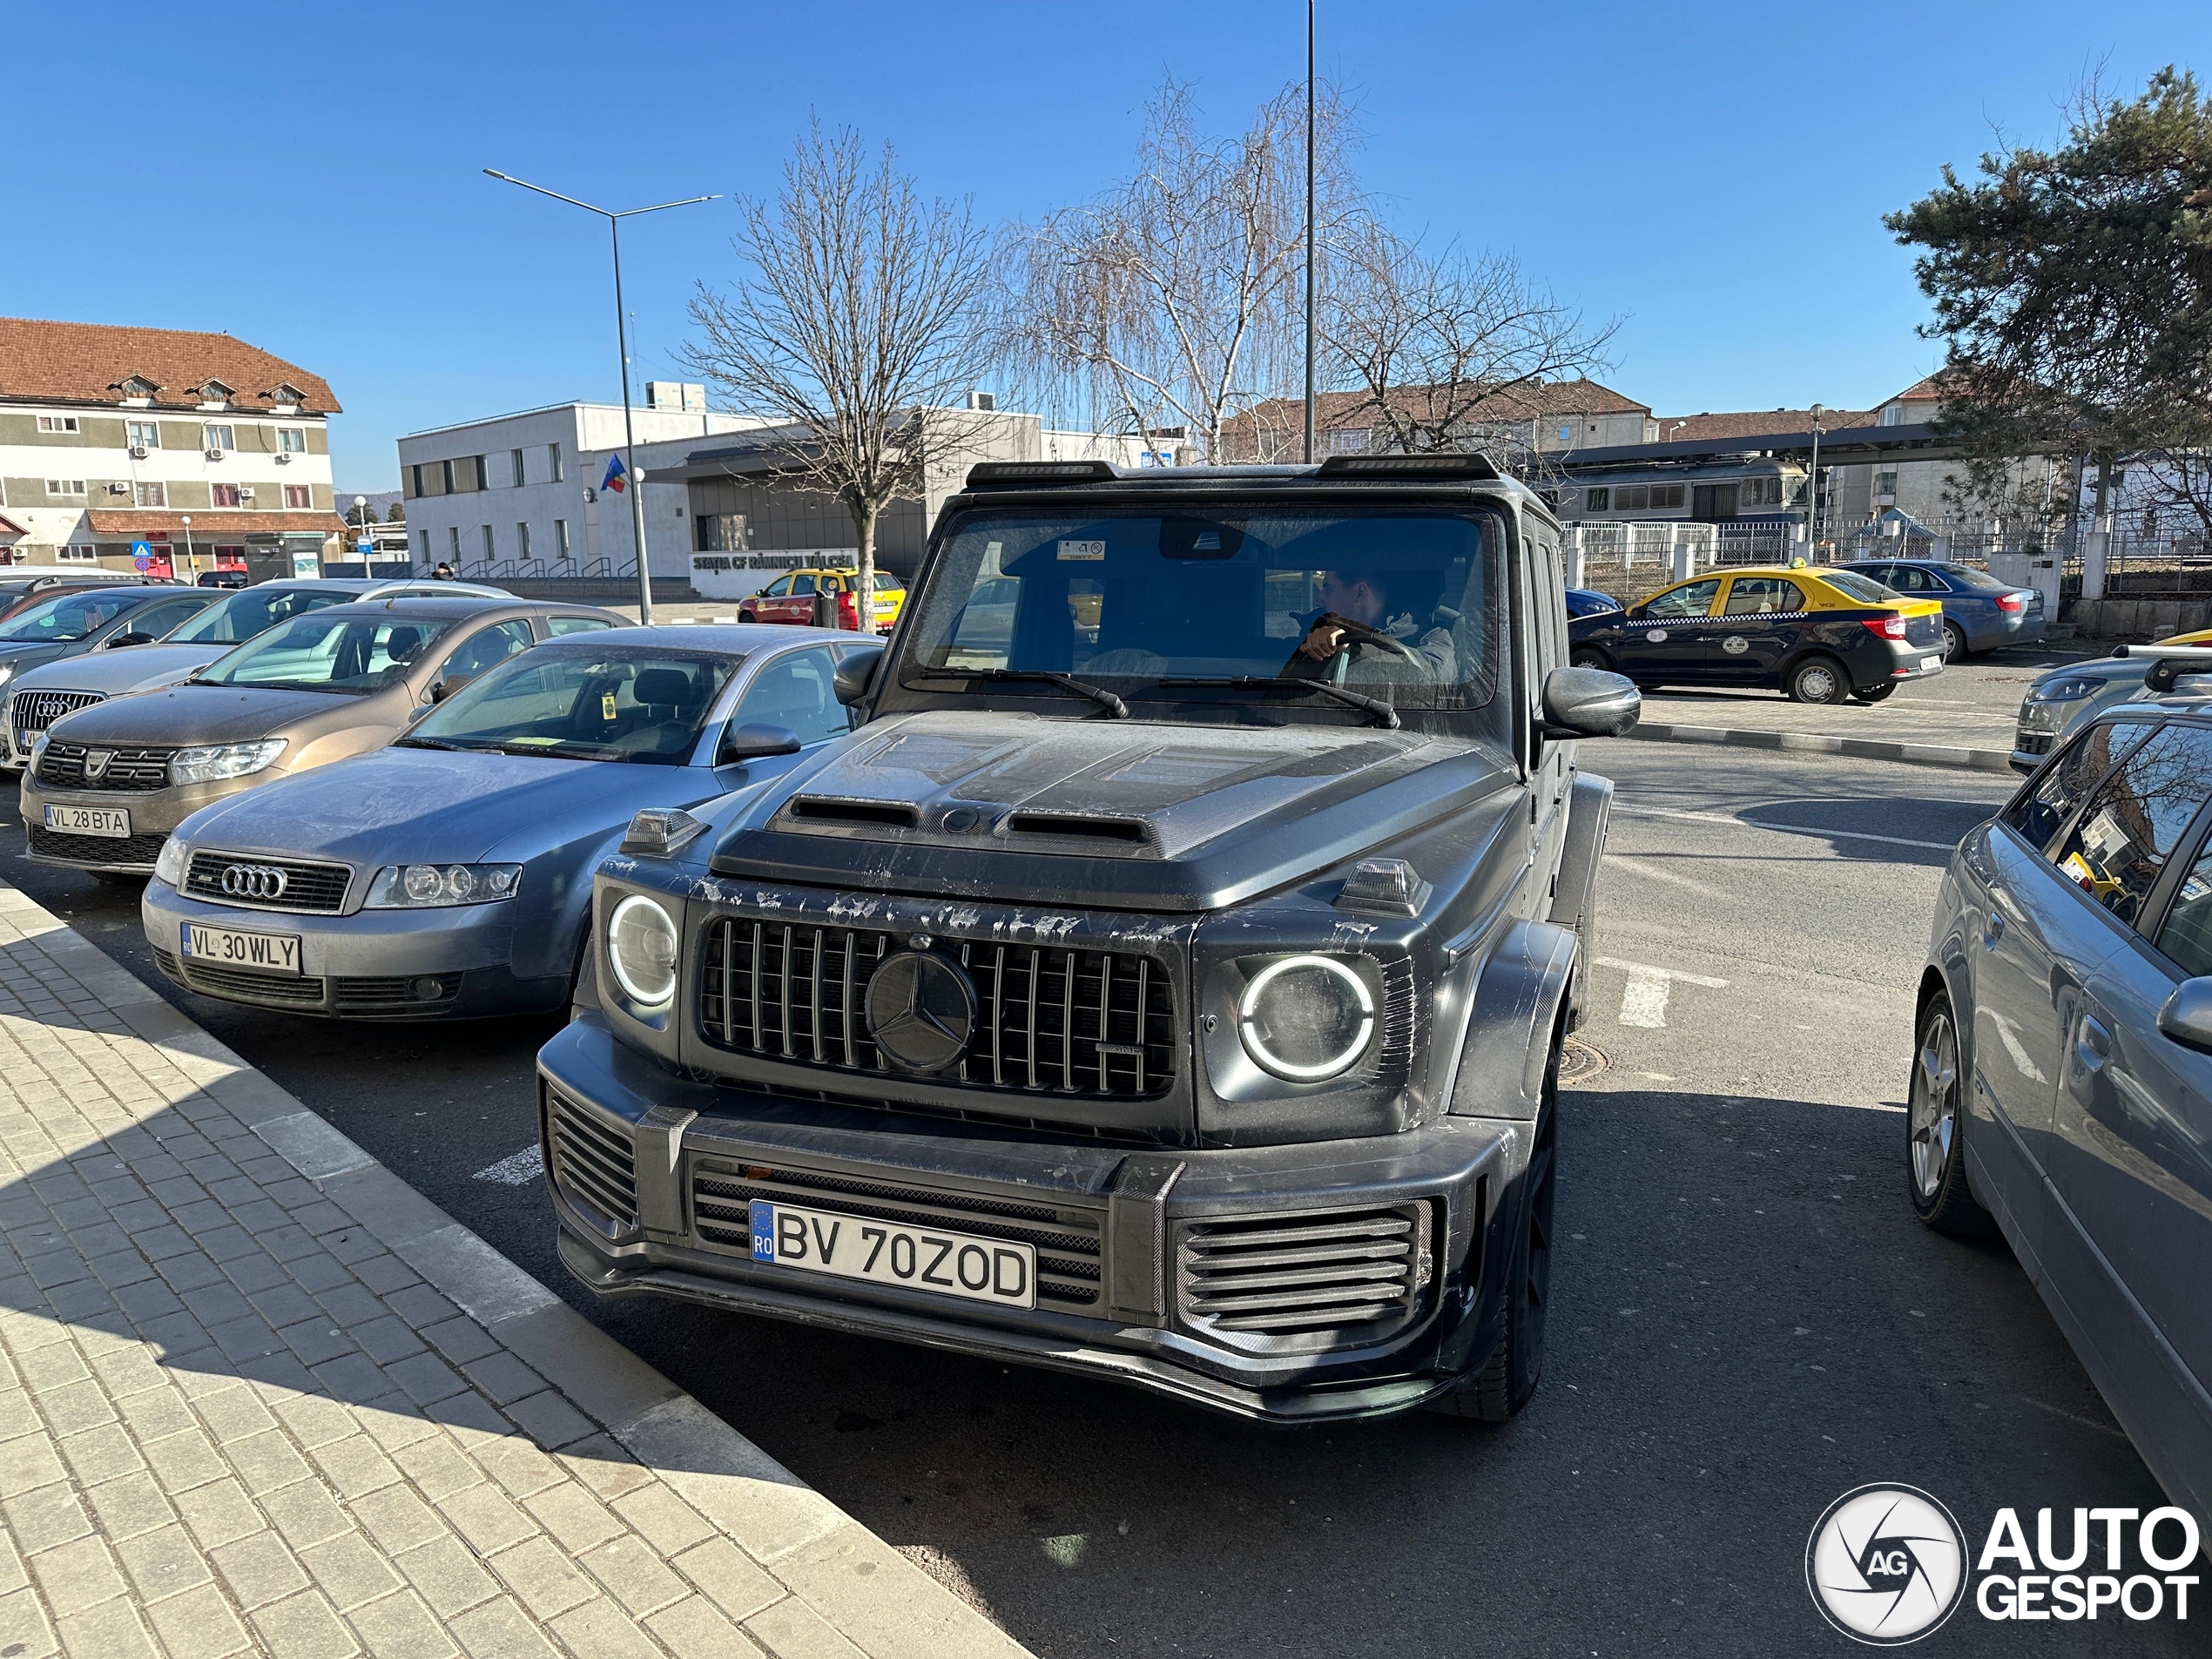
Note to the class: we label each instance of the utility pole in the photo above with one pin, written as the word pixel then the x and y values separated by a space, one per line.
pixel 633 488
pixel 1309 261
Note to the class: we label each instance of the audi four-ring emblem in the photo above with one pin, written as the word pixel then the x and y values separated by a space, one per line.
pixel 253 881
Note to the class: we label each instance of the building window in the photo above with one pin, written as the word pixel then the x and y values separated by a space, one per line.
pixel 515 460
pixel 1597 499
pixel 292 441
pixel 64 486
pixel 152 495
pixel 484 474
pixel 488 549
pixel 58 423
pixel 522 535
pixel 560 537
pixel 452 541
pixel 415 481
pixel 1631 498
pixel 1350 439
pixel 1886 484
pixel 221 495
pixel 1666 495
pixel 84 554
pixel 298 496
pixel 553 461
pixel 1893 415
pixel 1565 432
pixel 445 470
pixel 221 437
pixel 144 435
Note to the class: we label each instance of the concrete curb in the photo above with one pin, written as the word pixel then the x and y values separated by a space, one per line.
pixel 852 1587
pixel 1912 754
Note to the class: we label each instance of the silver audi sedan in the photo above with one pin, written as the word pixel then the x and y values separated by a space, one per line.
pixel 450 873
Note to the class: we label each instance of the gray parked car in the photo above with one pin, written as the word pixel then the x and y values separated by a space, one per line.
pixel 2063 1075
pixel 1979 612
pixel 2061 702
pixel 38 696
pixel 451 873
pixel 108 783
pixel 93 619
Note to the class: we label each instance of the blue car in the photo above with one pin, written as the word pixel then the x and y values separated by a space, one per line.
pixel 1979 612
pixel 1588 601
pixel 2062 1079
pixel 449 874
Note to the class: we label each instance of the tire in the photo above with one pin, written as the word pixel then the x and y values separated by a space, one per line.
pixel 1508 1379
pixel 1935 1128
pixel 1872 694
pixel 1590 657
pixel 1817 680
pixel 1954 642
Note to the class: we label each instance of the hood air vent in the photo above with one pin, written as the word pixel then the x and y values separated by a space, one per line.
pixel 1071 825
pixel 853 814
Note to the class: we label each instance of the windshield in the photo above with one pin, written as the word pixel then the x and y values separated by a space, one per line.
pixel 75 616
pixel 1864 588
pixel 1980 581
pixel 636 704
pixel 1401 600
pixel 252 611
pixel 341 654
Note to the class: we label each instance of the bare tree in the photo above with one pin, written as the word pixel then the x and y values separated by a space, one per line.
pixel 1174 298
pixel 860 321
pixel 1447 352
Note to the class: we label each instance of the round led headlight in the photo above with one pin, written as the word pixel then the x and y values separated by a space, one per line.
pixel 641 948
pixel 1306 1018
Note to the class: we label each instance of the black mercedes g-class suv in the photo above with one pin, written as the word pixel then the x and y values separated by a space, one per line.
pixel 1165 980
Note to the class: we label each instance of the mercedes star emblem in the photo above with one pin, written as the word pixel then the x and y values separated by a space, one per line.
pixel 922 1011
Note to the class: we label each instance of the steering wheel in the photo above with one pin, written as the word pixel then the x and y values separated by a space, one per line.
pixel 1356 633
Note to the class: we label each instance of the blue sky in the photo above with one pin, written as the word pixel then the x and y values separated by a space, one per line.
pixel 309 178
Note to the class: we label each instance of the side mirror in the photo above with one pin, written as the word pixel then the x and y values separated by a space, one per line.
pixel 1590 703
pixel 754 741
pixel 856 674
pixel 2186 1017
pixel 446 687
pixel 129 639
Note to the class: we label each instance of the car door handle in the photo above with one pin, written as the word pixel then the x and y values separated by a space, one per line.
pixel 1992 930
pixel 2094 1046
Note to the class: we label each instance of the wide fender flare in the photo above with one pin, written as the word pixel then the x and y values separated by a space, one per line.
pixel 1589 816
pixel 1519 1000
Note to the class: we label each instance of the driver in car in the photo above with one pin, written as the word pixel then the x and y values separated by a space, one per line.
pixel 1386 639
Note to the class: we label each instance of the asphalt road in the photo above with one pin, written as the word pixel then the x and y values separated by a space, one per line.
pixel 1748 1322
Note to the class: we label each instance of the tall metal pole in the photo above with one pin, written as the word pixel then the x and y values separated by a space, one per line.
pixel 1309 232
pixel 634 489
pixel 1813 485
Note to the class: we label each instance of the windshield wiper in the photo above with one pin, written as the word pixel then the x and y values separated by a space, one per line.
pixel 431 743
pixel 1098 694
pixel 1383 713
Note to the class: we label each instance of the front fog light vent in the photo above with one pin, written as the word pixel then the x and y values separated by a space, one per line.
pixel 594 1166
pixel 1306 1018
pixel 1324 1272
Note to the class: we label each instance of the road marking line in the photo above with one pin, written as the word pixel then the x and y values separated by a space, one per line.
pixel 1662 973
pixel 1644 1000
pixel 1784 829
pixel 516 1169
pixel 1652 872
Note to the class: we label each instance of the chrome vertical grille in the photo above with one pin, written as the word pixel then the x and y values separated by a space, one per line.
pixel 1049 1018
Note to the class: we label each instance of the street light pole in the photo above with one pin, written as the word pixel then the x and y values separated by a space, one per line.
pixel 1309 232
pixel 360 526
pixel 1813 482
pixel 634 489
pixel 191 559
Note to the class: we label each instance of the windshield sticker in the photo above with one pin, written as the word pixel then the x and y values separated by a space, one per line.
pixel 607 706
pixel 1089 551
pixel 548 742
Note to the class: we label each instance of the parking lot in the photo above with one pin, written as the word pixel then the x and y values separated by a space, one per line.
pixel 1748 1322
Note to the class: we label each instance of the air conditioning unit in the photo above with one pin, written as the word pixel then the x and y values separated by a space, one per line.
pixel 245 492
pixel 119 489
pixel 281 458
pixel 214 454
pixel 137 452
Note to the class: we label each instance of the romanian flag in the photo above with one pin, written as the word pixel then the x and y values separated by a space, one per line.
pixel 615 479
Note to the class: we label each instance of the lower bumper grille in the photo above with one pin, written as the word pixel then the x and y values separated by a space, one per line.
pixel 1069 1242
pixel 401 994
pixel 362 997
pixel 280 990
pixel 2034 743
pixel 95 849
pixel 593 1164
pixel 1344 1275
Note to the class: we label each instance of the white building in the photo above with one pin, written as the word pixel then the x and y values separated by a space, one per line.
pixel 190 451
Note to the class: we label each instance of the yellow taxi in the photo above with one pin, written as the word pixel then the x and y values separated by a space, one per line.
pixel 1816 635
pixel 792 598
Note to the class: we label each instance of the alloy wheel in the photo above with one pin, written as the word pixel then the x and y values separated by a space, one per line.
pixel 1934 1105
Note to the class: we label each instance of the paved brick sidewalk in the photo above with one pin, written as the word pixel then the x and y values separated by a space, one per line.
pixel 256 1395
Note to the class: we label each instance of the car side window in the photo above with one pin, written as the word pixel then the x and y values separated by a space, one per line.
pixel 794 690
pixel 2119 846
pixel 2038 815
pixel 1763 595
pixel 487 648
pixel 804 585
pixel 557 626
pixel 2186 934
pixel 1691 599
pixel 777 589
pixel 159 619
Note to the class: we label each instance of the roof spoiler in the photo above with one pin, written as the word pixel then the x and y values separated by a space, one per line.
pixel 984 474
pixel 1431 466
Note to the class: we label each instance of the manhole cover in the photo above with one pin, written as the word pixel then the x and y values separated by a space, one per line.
pixel 1579 1062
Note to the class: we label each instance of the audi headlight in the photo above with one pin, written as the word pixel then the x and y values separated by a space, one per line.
pixel 1306 1018
pixel 420 886
pixel 169 863
pixel 220 761
pixel 641 948
pixel 2072 688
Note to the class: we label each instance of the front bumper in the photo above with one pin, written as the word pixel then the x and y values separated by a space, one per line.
pixel 370 964
pixel 647 1171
